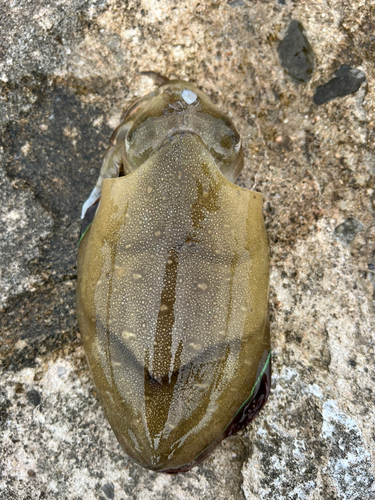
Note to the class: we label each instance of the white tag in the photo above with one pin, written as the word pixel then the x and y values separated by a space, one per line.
pixel 189 96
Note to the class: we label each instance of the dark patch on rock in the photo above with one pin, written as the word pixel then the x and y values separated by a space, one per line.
pixel 62 163
pixel 4 410
pixel 57 152
pixel 109 490
pixel 18 388
pixel 346 81
pixel 348 230
pixel 296 54
pixel 43 319
pixel 33 397
pixel 323 360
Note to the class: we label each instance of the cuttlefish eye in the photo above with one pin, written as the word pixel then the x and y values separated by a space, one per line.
pixel 173 270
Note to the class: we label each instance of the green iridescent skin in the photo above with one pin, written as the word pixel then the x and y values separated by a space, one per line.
pixel 172 299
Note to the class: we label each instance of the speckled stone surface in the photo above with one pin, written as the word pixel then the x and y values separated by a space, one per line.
pixel 67 69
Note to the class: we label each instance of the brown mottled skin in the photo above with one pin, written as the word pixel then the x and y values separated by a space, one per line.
pixel 173 281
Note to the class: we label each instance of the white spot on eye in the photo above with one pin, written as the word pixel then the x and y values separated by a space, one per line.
pixel 163 307
pixel 237 147
pixel 157 233
pixel 137 276
pixel 189 96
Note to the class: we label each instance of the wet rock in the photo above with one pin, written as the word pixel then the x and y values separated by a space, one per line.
pixel 348 230
pixel 346 81
pixel 60 173
pixel 296 54
pixel 22 230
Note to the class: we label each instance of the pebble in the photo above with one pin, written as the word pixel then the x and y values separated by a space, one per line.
pixel 296 54
pixel 346 81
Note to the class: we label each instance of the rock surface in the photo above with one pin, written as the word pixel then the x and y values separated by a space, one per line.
pixel 67 69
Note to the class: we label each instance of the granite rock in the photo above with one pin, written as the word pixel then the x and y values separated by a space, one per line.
pixel 67 70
